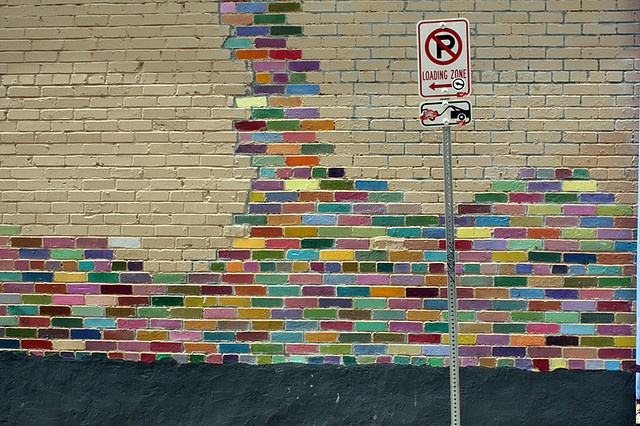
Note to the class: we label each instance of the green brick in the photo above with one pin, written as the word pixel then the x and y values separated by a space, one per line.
pixel 354 337
pixel 506 328
pixel 578 233
pixel 436 327
pixel 560 197
pixel 387 221
pixel 265 359
pixel 544 209
pixel 317 148
pixel 10 229
pixel 186 313
pixel 615 282
pixel 334 208
pixel 88 311
pixel 196 358
pixel 36 299
pixel 283 125
pixel 370 303
pixel 371 326
pixel 422 220
pixel 267 254
pixel 67 254
pixel 285 7
pixel 147 312
pixel 21 332
pixel 562 317
pixel 271 278
pixel 578 282
pixel 389 314
pixel 298 77
pixel 336 184
pixel 170 278
pixel 118 266
pixel 349 360
pixel 217 266
pixel 580 174
pixel 268 160
pixel 463 316
pixel 526 316
pixel 318 243
pixel 508 186
pixel 267 113
pixel 506 362
pixel 337 349
pixel 598 341
pixel 389 337
pixel 265 19
pixel 368 231
pixel 372 255
pixel 283 290
pixel 267 302
pixel 596 318
pixel 22 310
pixel 319 172
pixel 250 219
pixel 267 348
pixel 8 321
pixel 167 301
pixel 319 313
pixel 185 290
pixel 491 197
pixel 544 256
pixel 524 244
pixel 476 281
pixel 385 197
pixel 527 221
pixel 614 210
pixel 367 267
pixel 436 361
pixel 596 245
pixel 334 231
pixel 66 322
pixel 510 281
pixel 286 30
pixel 103 277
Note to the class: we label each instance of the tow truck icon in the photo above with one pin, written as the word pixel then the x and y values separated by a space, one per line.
pixel 455 112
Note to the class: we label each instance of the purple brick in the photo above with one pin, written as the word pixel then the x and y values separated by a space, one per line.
pixel 541 186
pixel 510 233
pixel 98 254
pixel 286 313
pixel 614 234
pixel 279 43
pixel 316 266
pixel 203 278
pixel 407 279
pixel 34 253
pixel 524 363
pixel 494 245
pixel 269 89
pixel 169 324
pixel 301 113
pixel 102 265
pixel 370 209
pixel 475 351
pixel 280 78
pixel 372 279
pixel 53 265
pixel 83 288
pixel 579 305
pixel 422 292
pixel 302 172
pixel 135 277
pixel 405 326
pixel 265 208
pixel 580 210
pixel 335 302
pixel 527 173
pixel 335 172
pixel 492 339
pixel 515 351
pixel 216 289
pixel 473 304
pixel 525 197
pixel 405 303
pixel 252 148
pixel 267 185
pixel 331 359
pixel 465 221
pixel 304 65
pixel 18 288
pixel 615 330
pixel 266 66
pixel 561 293
pixel 319 290
pixel 351 196
pixel 135 265
pixel 251 267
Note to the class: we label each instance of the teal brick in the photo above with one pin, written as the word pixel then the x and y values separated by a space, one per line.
pixel 86 265
pixel 389 314
pixel 22 310
pixel 237 43
pixel 8 321
pixel 353 291
pixel 99 323
pixel 317 148
pixel 267 302
pixel 422 220
pixel 509 328
pixel 250 219
pixel 387 220
pixel 371 326
pixel 604 270
pixel 317 243
pixel 10 276
pixel 334 208
pixel 283 290
pixel 66 322
pixel 103 277
pixel 406 232
pixel 370 303
pixel 509 305
pixel 436 327
pixel 544 256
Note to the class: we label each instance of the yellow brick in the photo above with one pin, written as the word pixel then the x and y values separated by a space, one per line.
pixel 70 277
pixel 321 336
pixel 258 101
pixel 580 185
pixel 509 256
pixel 405 349
pixel 300 266
pixel 463 339
pixel 336 255
pixel 192 301
pixel 474 233
pixel 256 197
pixel 234 301
pixel 254 313
pixel 625 341
pixel 423 315
pixel 556 363
pixel 301 231
pixel 249 243
pixel 152 335
pixel 301 185
pixel 387 291
pixel 267 325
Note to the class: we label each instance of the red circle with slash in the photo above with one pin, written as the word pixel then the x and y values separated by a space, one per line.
pixel 440 45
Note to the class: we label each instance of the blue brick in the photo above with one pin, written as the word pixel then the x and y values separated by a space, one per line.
pixel 98 254
pixel 337 279
pixel 318 219
pixel 493 221
pixel 526 293
pixel 435 256
pixel 9 344
pixel 267 172
pixel 369 349
pixel 280 197
pixel 509 351
pixel 364 291
pixel 435 350
pixel 251 7
pixel 332 267
pixel 316 360
pixel 252 31
pixel 577 270
pixel 83 333
pixel 597 197
pixel 596 221
pixel 287 337
pixel 611 365
pixel 554 293
pixel 266 137
pixel 35 253
pixel 577 329
pixel 302 254
pixel 404 232
pixel 433 233
pixel 99 323
pixel 39 277
pixel 435 304
pixel 303 89
pixel 580 258
pixel 524 268
pixel 301 325
pixel 372 185
pixel 9 298
pixel 236 348
pixel 625 246
pixel 625 294
pixel 219 336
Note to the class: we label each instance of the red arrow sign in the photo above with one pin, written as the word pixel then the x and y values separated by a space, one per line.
pixel 434 86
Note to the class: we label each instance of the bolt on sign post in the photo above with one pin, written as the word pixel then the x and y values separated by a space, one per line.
pixel 445 72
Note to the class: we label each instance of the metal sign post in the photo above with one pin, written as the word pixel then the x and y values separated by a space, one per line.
pixel 451 275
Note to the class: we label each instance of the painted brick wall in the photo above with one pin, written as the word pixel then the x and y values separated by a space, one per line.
pixel 249 182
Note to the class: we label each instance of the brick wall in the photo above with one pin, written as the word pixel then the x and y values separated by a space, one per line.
pixel 249 182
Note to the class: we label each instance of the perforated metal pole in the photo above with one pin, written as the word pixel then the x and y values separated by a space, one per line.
pixel 451 276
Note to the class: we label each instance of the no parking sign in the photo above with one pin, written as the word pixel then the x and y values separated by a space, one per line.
pixel 444 58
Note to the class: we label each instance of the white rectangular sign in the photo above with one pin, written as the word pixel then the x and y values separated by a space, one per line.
pixel 444 60
pixel 440 113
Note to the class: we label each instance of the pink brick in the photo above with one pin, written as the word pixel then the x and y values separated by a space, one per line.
pixel 282 243
pixel 353 220
pixel 352 243
pixel 90 242
pixel 372 279
pixel 134 323
pixel 336 325
pixel 299 137
pixel 6 265
pixel 168 324
pixel 8 253
pixel 576 364
pixel 405 303
pixel 101 345
pixel 165 347
pixel 68 300
pixel 305 279
pixel 214 359
pixel 405 326
pixel 130 356
pixel 133 346
pixel 351 196
pixel 615 330
pixel 488 269
pixel 186 336
pixel 474 256
pixel 21 265
pixel 301 348
pixel 469 361
pixel 219 313
pixel 561 245
pixel 510 209
pixel 580 210
pixel 251 267
pixel 58 242
pixel 301 302
pixel 540 269
pixel 592 293
pixel 228 8
pixel 543 328
pixel 562 221
pixel 384 359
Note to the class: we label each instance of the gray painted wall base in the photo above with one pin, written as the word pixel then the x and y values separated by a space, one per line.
pixel 53 391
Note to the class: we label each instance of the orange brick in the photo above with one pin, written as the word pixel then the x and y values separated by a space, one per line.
pixel 491 293
pixel 435 280
pixel 405 256
pixel 251 54
pixel 422 245
pixel 200 324
pixel 493 316
pixel 543 233
pixel 580 353
pixel 615 258
pixel 423 315
pixel 527 340
pixel 302 160
pixel 200 347
pixel 251 290
pixel 284 219
pixel 488 362
pixel 283 149
pixel 387 291
pixel 322 336
pixel 263 77
pixel 318 124
pixel 234 266
pixel 316 196
pixel 285 101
